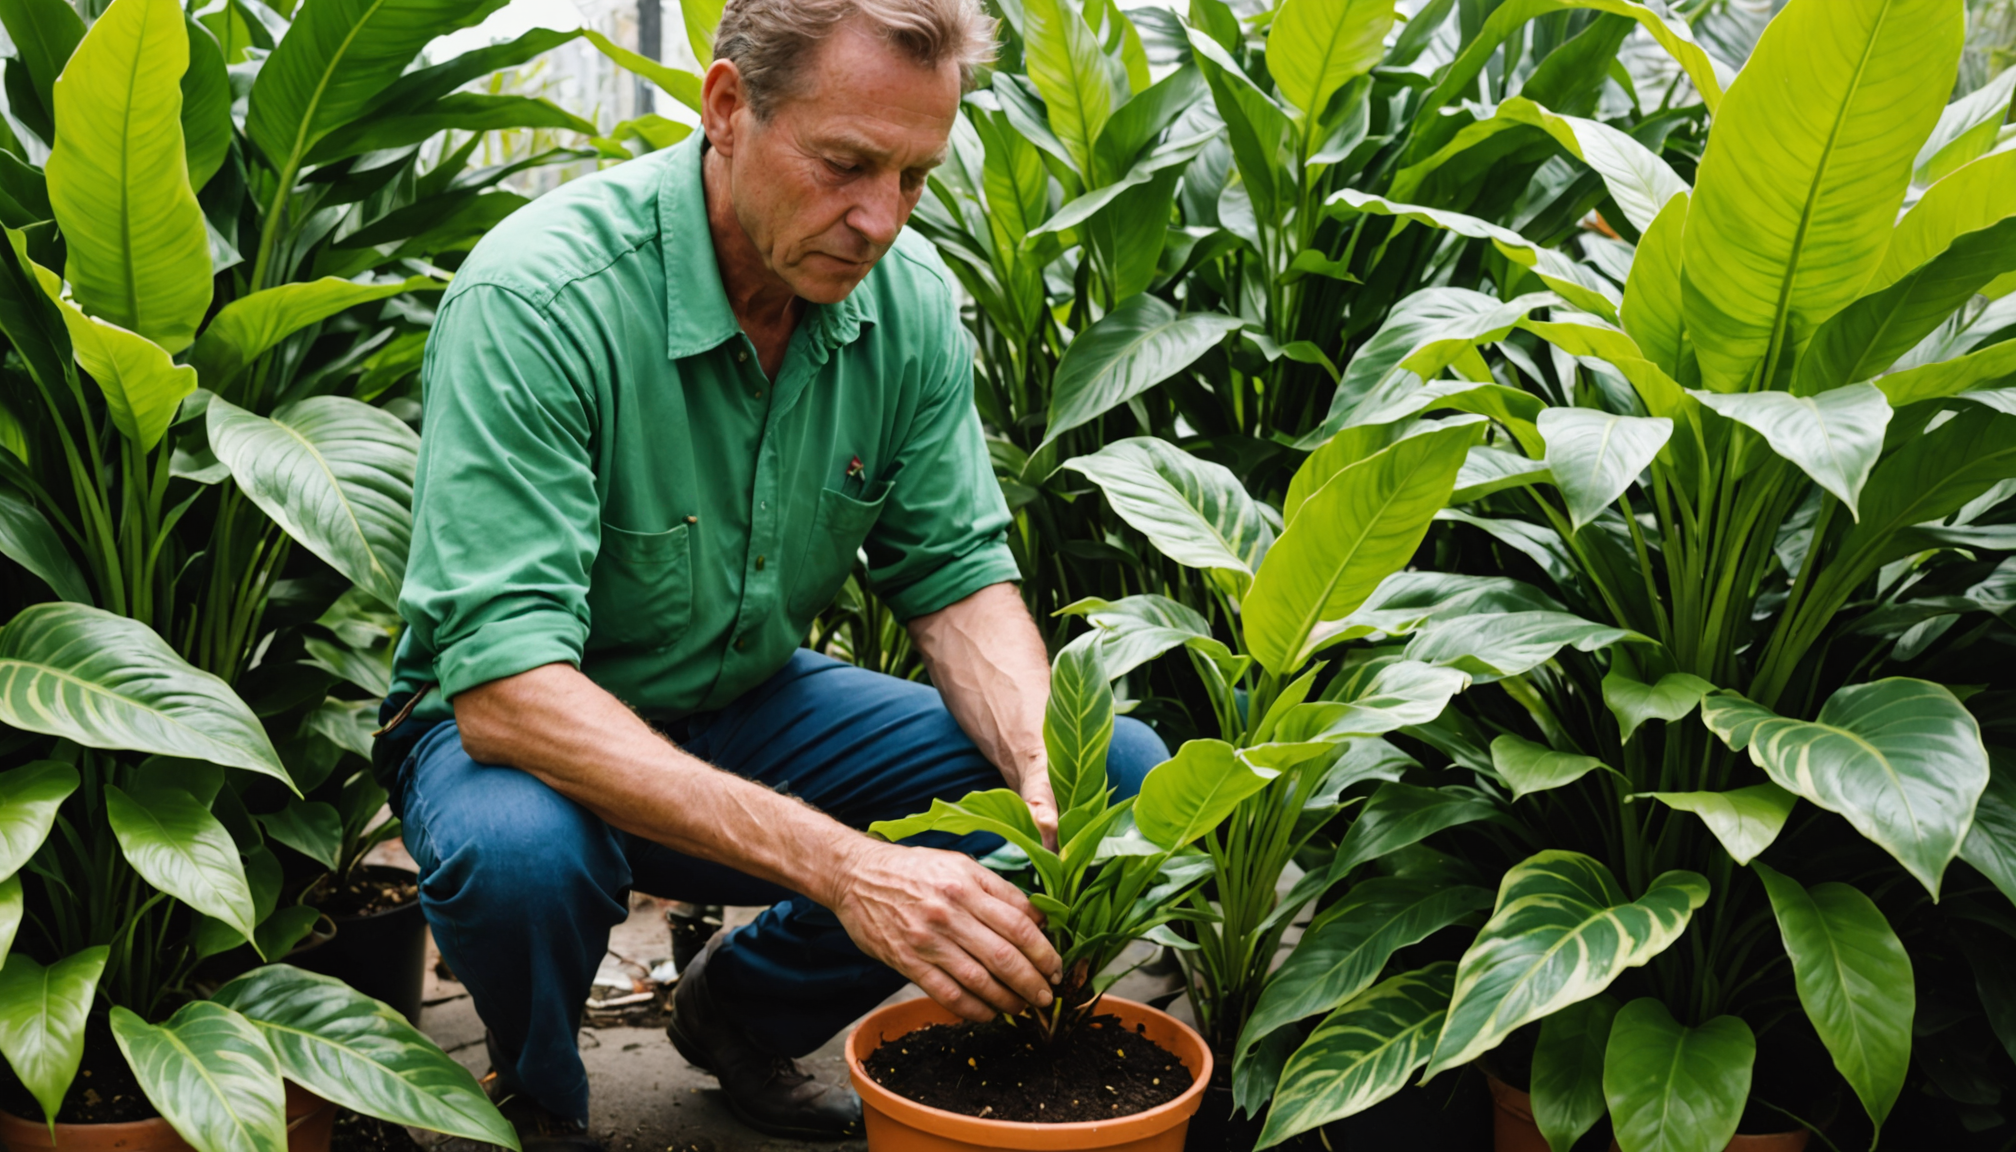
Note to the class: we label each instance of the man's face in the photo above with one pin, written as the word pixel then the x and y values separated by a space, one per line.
pixel 824 185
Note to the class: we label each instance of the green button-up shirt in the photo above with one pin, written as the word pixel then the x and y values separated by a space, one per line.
pixel 607 478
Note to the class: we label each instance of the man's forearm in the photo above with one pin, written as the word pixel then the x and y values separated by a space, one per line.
pixel 987 660
pixel 558 725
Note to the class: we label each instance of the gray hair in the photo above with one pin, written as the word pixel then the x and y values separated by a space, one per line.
pixel 770 40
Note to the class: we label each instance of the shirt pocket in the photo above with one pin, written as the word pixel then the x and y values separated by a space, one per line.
pixel 640 594
pixel 839 526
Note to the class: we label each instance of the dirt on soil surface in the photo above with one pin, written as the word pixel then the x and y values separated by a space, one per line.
pixel 1101 1071
pixel 105 1091
pixel 355 1133
pixel 372 889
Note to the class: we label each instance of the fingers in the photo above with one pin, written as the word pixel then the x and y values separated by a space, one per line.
pixel 1042 804
pixel 1019 926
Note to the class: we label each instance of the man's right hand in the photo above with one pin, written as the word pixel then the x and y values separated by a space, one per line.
pixel 969 939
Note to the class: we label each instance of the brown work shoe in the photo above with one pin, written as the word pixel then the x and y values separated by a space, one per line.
pixel 771 1094
pixel 538 1130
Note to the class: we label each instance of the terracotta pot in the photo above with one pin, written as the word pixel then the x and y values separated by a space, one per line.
pixel 1513 1128
pixel 896 1124
pixel 310 1119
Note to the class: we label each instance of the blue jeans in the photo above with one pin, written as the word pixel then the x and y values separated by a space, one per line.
pixel 522 885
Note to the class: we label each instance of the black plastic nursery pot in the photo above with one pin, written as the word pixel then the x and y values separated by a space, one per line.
pixel 382 954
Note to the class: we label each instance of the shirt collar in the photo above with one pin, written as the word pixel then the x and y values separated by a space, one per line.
pixel 697 314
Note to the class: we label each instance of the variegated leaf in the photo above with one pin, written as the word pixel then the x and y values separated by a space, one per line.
pixel 1362 1053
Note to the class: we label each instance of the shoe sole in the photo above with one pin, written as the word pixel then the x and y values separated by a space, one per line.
pixel 691 1053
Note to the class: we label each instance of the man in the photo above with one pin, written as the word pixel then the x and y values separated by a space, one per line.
pixel 666 406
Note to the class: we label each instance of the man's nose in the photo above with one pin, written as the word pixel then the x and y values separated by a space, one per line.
pixel 881 209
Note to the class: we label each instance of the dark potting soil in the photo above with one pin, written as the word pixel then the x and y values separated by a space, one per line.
pixel 1101 1071
pixel 373 889
pixel 105 1091
pixel 356 1133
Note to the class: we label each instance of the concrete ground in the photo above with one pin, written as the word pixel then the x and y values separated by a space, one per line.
pixel 646 1098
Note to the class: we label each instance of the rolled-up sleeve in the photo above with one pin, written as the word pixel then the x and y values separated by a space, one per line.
pixel 942 534
pixel 506 514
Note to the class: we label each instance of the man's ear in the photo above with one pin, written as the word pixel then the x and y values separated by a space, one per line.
pixel 721 97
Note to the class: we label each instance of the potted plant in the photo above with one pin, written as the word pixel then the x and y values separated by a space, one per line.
pixel 1734 744
pixel 1119 875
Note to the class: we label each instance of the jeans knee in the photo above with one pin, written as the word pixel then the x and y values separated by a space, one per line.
pixel 1134 750
pixel 536 860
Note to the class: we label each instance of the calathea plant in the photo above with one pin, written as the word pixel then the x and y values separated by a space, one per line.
pixel 1727 744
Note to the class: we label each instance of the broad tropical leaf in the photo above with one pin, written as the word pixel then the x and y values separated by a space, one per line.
pixel 1189 794
pixel 1315 47
pixel 1350 534
pixel 211 1074
pixel 1000 811
pixel 1633 702
pixel 1901 759
pixel 1400 693
pixel 1528 767
pixel 1834 437
pixel 310 827
pixel 1652 310
pixel 1795 198
pixel 1078 724
pixel 1126 352
pixel 176 845
pixel 29 798
pixel 1594 456
pixel 1673 1088
pixel 1494 646
pixel 1401 814
pixel 42 1014
pixel 45 33
pixel 28 539
pixel 206 106
pixel 347 1047
pixel 1193 511
pixel 1136 629
pixel 1854 980
pixel 1068 68
pixel 1975 198
pixel 139 255
pixel 1744 820
pixel 11 907
pixel 336 474
pixel 249 325
pixel 142 385
pixel 1568 1070
pixel 1346 947
pixel 1563 930
pixel 1991 843
pixel 1968 127
pixel 107 681
pixel 1362 1053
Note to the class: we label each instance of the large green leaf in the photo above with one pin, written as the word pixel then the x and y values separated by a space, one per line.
pixel 1563 930
pixel 1361 1053
pixel 1000 812
pixel 1568 1070
pixel 1407 601
pixel 1834 437
pixel 402 127
pixel 1744 820
pixel 1193 511
pixel 29 798
pixel 1795 197
pixel 1594 456
pixel 1968 127
pixel 206 106
pixel 1258 130
pixel 1953 377
pixel 1067 67
pixel 1350 534
pixel 336 474
pixel 107 681
pixel 1400 693
pixel 1528 767
pixel 1493 647
pixel 45 33
pixel 1315 47
pixel 1991 843
pixel 1398 815
pixel 1346 947
pixel 1187 795
pixel 677 83
pixel 1136 629
pixel 701 18
pixel 336 59
pixel 12 905
pixel 1673 1088
pixel 310 827
pixel 1078 724
pixel 1854 980
pixel 251 324
pixel 176 845
pixel 349 1048
pixel 1902 759
pixel 1931 477
pixel 1633 702
pixel 1652 312
pixel 1126 352
pixel 1976 197
pixel 139 255
pixel 42 1013
pixel 28 539
pixel 211 1074
pixel 142 385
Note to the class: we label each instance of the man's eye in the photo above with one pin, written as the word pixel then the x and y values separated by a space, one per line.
pixel 843 169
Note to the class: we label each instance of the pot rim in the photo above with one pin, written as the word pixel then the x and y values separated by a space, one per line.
pixel 306 1101
pixel 961 1126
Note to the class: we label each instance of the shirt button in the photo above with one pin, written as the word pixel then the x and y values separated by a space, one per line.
pixel 759 394
pixel 759 563
pixel 742 356
pixel 741 644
